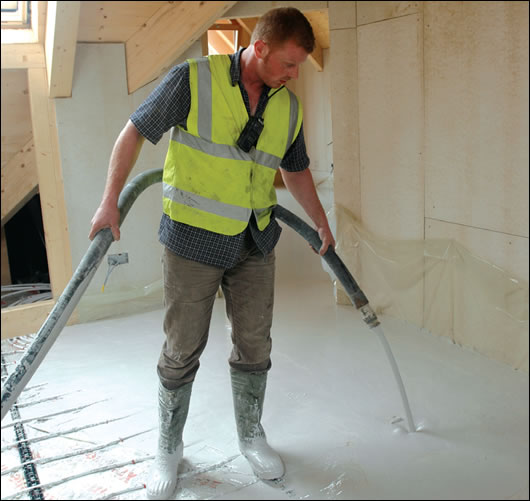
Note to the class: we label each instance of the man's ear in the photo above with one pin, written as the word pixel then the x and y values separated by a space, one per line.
pixel 261 49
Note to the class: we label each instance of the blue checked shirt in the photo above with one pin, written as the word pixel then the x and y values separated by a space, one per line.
pixel 168 105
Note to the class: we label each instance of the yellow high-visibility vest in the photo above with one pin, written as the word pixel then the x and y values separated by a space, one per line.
pixel 208 181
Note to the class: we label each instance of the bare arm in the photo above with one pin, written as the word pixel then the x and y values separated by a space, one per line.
pixel 302 187
pixel 122 160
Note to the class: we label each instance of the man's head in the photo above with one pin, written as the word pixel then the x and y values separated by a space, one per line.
pixel 277 26
pixel 282 40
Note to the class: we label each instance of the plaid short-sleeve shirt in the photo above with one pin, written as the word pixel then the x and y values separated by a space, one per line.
pixel 168 105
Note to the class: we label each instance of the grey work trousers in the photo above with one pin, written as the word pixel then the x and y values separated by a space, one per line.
pixel 190 289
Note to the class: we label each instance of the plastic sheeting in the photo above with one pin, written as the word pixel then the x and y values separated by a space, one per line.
pixel 120 302
pixel 440 285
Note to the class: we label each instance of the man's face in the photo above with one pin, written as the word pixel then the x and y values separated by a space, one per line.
pixel 280 64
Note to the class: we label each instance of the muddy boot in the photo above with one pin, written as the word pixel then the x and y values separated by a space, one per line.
pixel 248 389
pixel 172 412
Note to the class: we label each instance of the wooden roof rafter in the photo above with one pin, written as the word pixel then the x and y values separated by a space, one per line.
pixel 61 40
pixel 156 45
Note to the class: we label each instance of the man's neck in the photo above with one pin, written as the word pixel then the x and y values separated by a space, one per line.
pixel 249 75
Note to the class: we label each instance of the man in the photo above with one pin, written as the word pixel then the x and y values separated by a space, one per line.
pixel 233 125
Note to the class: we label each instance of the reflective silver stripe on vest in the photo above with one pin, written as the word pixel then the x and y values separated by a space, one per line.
pixel 223 150
pixel 293 118
pixel 206 204
pixel 204 77
pixel 266 159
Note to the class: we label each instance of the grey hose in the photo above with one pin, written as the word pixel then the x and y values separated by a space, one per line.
pixel 342 273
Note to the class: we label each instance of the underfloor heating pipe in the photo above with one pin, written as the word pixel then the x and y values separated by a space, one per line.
pixel 84 273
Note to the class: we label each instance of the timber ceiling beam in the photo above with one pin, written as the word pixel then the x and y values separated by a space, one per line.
pixel 61 40
pixel 165 36
pixel 48 163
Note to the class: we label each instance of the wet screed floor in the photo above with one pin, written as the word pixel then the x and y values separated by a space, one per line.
pixel 332 410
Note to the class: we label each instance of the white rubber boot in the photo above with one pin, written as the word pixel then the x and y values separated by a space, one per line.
pixel 173 408
pixel 248 389
pixel 163 476
pixel 264 460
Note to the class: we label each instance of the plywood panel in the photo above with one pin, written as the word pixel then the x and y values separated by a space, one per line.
pixel 476 114
pixel 371 12
pixel 391 125
pixel 15 113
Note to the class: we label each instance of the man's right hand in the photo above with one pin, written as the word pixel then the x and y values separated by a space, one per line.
pixel 106 217
pixel 122 159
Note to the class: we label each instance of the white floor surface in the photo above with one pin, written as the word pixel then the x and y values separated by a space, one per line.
pixel 332 410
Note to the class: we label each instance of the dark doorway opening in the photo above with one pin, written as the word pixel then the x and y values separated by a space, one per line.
pixel 26 247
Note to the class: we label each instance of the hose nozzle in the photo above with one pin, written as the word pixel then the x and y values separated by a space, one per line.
pixel 369 316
